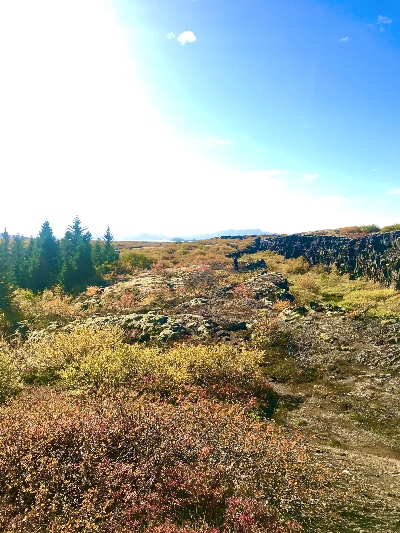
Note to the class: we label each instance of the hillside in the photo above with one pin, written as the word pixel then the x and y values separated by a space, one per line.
pixel 193 397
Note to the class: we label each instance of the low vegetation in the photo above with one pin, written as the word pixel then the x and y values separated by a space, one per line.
pixel 185 396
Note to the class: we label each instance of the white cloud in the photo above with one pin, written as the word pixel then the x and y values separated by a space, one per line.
pixel 384 20
pixel 171 35
pixel 214 141
pixel 344 40
pixel 186 37
pixel 395 191
pixel 308 178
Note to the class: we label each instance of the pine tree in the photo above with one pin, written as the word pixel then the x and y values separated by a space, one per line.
pixel 48 254
pixel 18 260
pixel 30 265
pixel 98 253
pixel 5 270
pixel 110 255
pixel 77 265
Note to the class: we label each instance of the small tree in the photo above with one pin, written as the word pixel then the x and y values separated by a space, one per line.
pixel 5 269
pixel 30 265
pixel 97 253
pixel 110 255
pixel 48 267
pixel 77 264
pixel 18 261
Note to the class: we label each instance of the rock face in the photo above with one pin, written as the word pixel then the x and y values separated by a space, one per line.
pixel 376 257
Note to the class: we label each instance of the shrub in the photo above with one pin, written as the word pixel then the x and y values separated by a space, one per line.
pixel 91 358
pixel 353 230
pixel 369 228
pixel 136 260
pixel 43 359
pixel 306 288
pixel 300 265
pixel 392 227
pixel 44 308
pixel 10 383
pixel 6 326
pixel 127 465
pixel 223 371
pixel 128 263
pixel 379 302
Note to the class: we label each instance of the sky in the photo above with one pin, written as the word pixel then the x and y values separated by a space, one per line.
pixel 192 116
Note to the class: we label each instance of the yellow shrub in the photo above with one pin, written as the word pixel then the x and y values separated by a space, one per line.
pixel 9 380
pixel 5 325
pixel 42 309
pixel 109 368
pixel 150 368
pixel 91 358
pixel 379 302
pixel 308 282
pixel 297 266
pixel 46 357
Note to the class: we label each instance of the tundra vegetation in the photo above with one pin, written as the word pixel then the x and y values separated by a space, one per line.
pixel 156 389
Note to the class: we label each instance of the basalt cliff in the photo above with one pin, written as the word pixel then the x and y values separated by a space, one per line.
pixel 376 256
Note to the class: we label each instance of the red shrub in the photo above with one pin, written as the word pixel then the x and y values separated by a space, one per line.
pixel 129 465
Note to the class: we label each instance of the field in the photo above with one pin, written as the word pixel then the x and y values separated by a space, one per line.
pixel 186 396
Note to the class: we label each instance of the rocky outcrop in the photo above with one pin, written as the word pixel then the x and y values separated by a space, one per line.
pixel 376 256
pixel 269 286
pixel 223 310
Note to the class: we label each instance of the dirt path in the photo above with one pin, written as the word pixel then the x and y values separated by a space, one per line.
pixel 369 460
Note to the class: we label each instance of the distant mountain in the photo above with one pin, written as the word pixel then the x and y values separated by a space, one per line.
pixel 197 237
pixel 231 232
pixel 147 237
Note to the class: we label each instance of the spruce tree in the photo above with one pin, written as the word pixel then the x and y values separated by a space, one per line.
pixel 5 270
pixel 110 255
pixel 18 261
pixel 97 253
pixel 31 265
pixel 77 265
pixel 48 258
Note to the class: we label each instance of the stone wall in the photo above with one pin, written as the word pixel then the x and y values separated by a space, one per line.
pixel 376 256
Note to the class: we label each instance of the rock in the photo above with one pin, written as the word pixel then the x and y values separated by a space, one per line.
pixel 168 334
pixel 269 286
pixel 251 266
pixel 294 313
pixel 375 256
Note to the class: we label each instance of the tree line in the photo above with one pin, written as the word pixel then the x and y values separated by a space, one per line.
pixel 43 262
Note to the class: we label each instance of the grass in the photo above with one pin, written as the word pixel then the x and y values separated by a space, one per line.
pixel 167 255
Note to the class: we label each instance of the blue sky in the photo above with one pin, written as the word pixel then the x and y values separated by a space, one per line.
pixel 189 116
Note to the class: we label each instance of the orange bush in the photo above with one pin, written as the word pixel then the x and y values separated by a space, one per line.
pixel 125 464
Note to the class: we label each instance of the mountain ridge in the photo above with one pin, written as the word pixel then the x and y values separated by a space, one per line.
pixel 194 237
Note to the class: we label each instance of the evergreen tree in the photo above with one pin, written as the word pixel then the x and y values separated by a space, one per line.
pixel 97 253
pixel 77 265
pixel 30 265
pixel 48 258
pixel 18 261
pixel 110 255
pixel 5 270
